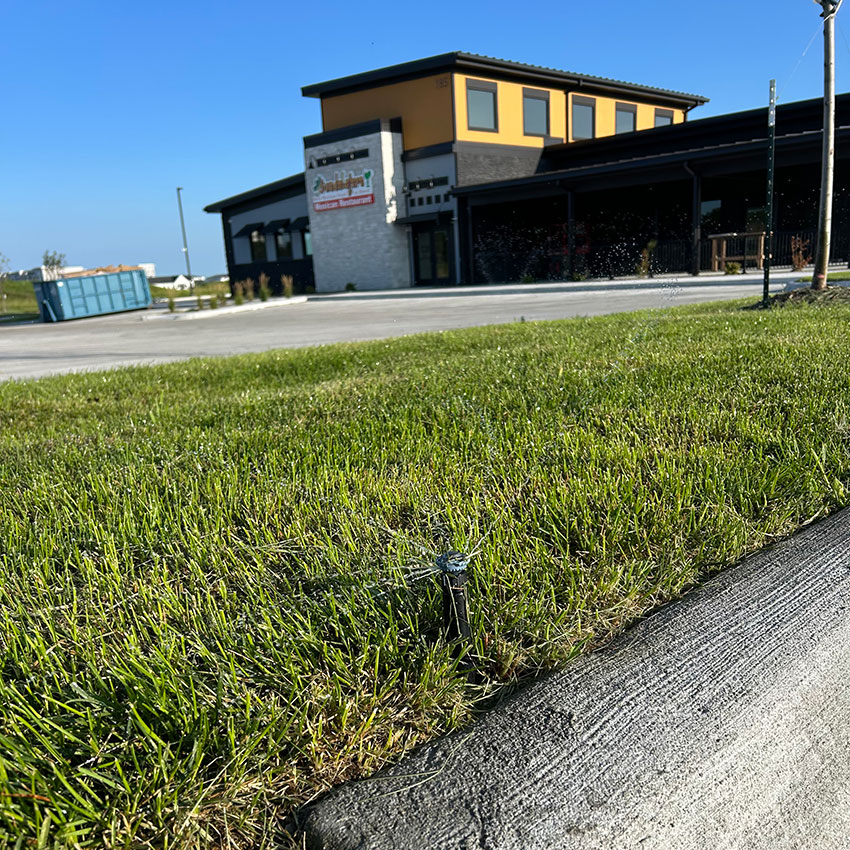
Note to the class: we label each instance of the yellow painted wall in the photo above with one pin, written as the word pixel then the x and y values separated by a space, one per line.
pixel 424 106
pixel 606 114
pixel 509 112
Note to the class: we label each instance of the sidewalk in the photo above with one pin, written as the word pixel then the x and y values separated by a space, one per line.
pixel 778 281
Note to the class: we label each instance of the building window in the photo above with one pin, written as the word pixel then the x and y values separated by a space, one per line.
pixel 663 117
pixel 584 118
pixel 535 112
pixel 283 244
pixel 481 106
pixel 626 118
pixel 308 243
pixel 258 246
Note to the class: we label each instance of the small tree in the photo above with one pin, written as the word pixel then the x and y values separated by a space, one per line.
pixel 52 262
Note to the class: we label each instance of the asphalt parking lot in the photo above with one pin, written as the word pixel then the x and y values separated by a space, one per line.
pixel 35 350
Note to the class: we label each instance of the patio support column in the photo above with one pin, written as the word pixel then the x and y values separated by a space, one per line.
pixel 470 245
pixel 696 219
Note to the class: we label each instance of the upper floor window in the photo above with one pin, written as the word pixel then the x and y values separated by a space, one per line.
pixel 663 117
pixel 481 111
pixel 258 246
pixel 583 118
pixel 535 112
pixel 626 118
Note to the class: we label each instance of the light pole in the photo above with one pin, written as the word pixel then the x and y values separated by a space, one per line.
pixel 185 244
pixel 830 7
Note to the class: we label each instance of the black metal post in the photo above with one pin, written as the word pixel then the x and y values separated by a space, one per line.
pixel 571 236
pixel 771 162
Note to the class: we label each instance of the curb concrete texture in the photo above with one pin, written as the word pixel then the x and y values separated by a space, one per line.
pixel 160 315
pixel 721 721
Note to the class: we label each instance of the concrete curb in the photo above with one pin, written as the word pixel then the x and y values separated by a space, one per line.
pixel 719 722
pixel 668 282
pixel 225 311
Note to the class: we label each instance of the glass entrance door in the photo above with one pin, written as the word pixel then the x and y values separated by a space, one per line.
pixel 432 254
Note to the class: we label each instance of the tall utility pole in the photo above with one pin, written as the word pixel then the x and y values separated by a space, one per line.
pixel 830 7
pixel 185 244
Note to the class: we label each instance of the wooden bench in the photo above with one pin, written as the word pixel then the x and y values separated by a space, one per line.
pixel 720 256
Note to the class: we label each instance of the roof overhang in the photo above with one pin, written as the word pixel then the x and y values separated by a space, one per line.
pixel 501 69
pixel 292 185
pixel 707 161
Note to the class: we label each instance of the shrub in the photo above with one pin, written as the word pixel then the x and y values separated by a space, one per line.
pixel 171 305
pixel 214 302
pixel 644 267
pixel 200 303
pixel 286 285
pixel 733 268
pixel 527 278
pixel 265 292
pixel 238 293
pixel 350 287
pixel 248 283
pixel 310 289
pixel 800 256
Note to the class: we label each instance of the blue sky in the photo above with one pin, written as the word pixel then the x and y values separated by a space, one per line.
pixel 107 107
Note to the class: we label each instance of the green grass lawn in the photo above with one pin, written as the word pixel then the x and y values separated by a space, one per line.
pixel 20 302
pixel 210 601
pixel 219 288
pixel 831 276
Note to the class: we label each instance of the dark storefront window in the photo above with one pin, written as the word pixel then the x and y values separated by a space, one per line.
pixel 535 112
pixel 584 118
pixel 258 246
pixel 481 105
pixel 626 118
pixel 663 117
pixel 283 244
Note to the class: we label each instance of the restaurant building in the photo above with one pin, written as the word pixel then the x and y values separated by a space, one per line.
pixel 460 168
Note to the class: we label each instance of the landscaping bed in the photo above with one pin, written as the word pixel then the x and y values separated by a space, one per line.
pixel 213 599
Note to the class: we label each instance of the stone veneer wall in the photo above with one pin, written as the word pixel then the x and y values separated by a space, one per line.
pixel 361 245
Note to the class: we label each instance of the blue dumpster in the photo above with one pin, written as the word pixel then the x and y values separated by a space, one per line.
pixel 92 295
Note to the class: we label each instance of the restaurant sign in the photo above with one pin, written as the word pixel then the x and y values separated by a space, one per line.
pixel 344 189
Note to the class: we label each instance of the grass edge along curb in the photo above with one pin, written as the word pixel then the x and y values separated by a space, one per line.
pixel 685 731
pixel 216 600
